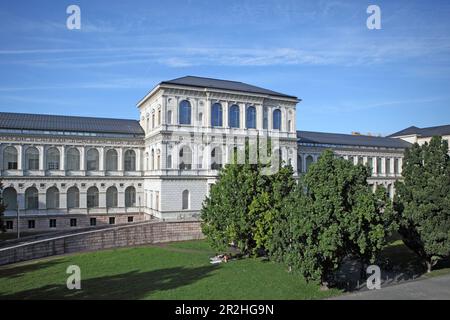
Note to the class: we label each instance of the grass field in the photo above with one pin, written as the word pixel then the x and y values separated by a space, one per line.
pixel 173 271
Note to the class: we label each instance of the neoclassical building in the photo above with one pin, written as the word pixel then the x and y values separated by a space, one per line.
pixel 62 172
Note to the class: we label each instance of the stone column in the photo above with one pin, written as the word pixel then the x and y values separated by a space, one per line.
pixel 101 159
pixel 42 196
pixel 121 198
pixel 62 158
pixel 82 158
pixel 120 159
pixel 20 157
pixel 138 159
pixel 102 198
pixel 175 119
pixel 63 199
pixel 207 114
pixel 392 166
pixel 225 107
pixel 163 110
pixel 383 166
pixel 259 115
pixel 83 198
pixel 41 157
pixel 269 118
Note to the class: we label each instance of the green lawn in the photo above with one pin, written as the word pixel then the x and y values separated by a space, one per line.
pixel 174 271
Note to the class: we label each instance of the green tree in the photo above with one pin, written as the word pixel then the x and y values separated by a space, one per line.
pixel 332 213
pixel 423 201
pixel 243 204
pixel 2 210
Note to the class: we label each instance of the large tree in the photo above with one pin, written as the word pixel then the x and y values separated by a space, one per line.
pixel 243 204
pixel 333 213
pixel 423 201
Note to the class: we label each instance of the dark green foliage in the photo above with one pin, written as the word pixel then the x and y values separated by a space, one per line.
pixel 423 201
pixel 332 213
pixel 243 204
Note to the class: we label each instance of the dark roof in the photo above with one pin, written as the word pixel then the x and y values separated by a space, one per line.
pixel 424 132
pixel 224 85
pixel 25 121
pixel 350 140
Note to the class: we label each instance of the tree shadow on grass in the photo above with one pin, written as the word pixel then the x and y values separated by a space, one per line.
pixel 16 271
pixel 131 285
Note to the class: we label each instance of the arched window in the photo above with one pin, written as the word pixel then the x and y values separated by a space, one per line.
pixel 299 164
pixel 185 200
pixel 111 197
pixel 52 198
pixel 289 125
pixel 153 120
pixel 130 197
pixel 111 160
pixel 146 161
pixel 185 158
pixel 73 159
pixel 159 117
pixel 32 158
pixel 31 198
pixel 216 158
pixel 309 161
pixel 169 117
pixel 216 115
pixel 130 160
pixel 251 117
pixel 92 160
pixel 92 197
pixel 73 197
pixel 276 119
pixel 10 158
pixel 185 112
pixel 53 159
pixel 10 198
pixel 233 116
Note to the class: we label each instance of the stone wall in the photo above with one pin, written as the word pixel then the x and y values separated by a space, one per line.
pixel 120 236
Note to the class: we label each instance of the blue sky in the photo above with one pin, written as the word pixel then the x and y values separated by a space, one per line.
pixel 350 78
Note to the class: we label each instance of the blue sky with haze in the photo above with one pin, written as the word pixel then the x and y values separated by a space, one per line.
pixel 349 78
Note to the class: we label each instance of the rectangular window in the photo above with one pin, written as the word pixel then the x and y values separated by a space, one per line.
pixel 93 221
pixel 31 224
pixel 112 220
pixel 53 165
pixel 12 165
pixel 73 222
pixel 130 219
pixel 370 163
pixel 388 166
pixel 52 223
pixel 396 166
pixel 9 225
pixel 33 164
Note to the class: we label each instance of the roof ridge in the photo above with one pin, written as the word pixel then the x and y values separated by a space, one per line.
pixel 65 116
